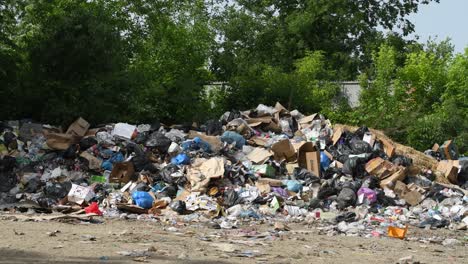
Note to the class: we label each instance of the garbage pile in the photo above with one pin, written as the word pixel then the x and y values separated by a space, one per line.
pixel 262 164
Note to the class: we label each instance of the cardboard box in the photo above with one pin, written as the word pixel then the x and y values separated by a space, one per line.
pixel 449 170
pixel 290 167
pixel 94 163
pixel 307 121
pixel 122 172
pixel 271 182
pixel 309 158
pixel 266 123
pixel 313 162
pixel 390 181
pixel 380 167
pixel 284 150
pixel 58 141
pixel 337 135
pixel 448 150
pixel 259 155
pixel 412 197
pixel 78 128
pixel 79 194
pixel 389 148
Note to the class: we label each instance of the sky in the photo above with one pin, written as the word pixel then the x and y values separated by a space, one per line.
pixel 449 18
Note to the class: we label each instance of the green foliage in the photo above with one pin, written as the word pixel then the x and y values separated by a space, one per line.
pixel 428 103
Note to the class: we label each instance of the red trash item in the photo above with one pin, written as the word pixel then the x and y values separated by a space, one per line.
pixel 93 208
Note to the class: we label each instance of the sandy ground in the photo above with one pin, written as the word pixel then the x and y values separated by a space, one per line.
pixel 32 242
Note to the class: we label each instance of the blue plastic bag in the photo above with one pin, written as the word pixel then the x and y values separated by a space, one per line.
pixel 293 186
pixel 230 137
pixel 143 199
pixel 324 161
pixel 196 144
pixel 181 159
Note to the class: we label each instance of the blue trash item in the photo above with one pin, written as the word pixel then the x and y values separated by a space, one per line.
pixel 143 199
pixel 196 144
pixel 249 214
pixel 108 164
pixel 181 159
pixel 293 186
pixel 324 161
pixel 230 137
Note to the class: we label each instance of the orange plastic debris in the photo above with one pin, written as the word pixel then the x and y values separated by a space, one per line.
pixel 397 232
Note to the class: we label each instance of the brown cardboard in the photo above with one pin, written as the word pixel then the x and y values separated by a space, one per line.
pixel 213 168
pixel 271 182
pixel 380 167
pixel 214 141
pixel 309 158
pixel 94 163
pixel 263 187
pixel 389 148
pixel 449 170
pixel 267 123
pixel 412 197
pixel 259 155
pixel 284 150
pixel 290 167
pixel 313 162
pixel 329 155
pixel 337 135
pixel 202 171
pixel 259 141
pixel 306 121
pixel 448 150
pixel 58 141
pixel 78 128
pixel 122 172
pixel 436 147
pixel 389 182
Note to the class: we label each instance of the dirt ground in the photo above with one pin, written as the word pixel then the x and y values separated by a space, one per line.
pixel 110 241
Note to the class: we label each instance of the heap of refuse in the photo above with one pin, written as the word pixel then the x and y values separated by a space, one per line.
pixel 258 165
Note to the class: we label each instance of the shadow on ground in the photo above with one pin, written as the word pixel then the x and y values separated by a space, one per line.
pixel 12 256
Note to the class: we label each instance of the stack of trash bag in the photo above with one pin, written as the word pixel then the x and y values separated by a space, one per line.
pixel 265 162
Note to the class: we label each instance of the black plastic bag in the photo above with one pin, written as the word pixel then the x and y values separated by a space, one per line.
pixel 159 141
pixel 87 142
pixel 8 178
pixel 402 160
pixel 370 182
pixel 140 161
pixel 178 206
pixel 354 167
pixel 347 217
pixel 57 190
pixel 347 197
pixel 9 140
pixel 214 127
pixel 463 174
pixel 359 133
pixel 166 175
pixel 70 152
pixel 305 175
pixel 141 137
pixel 330 172
pixel 360 147
pixel 326 192
pixel 231 198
